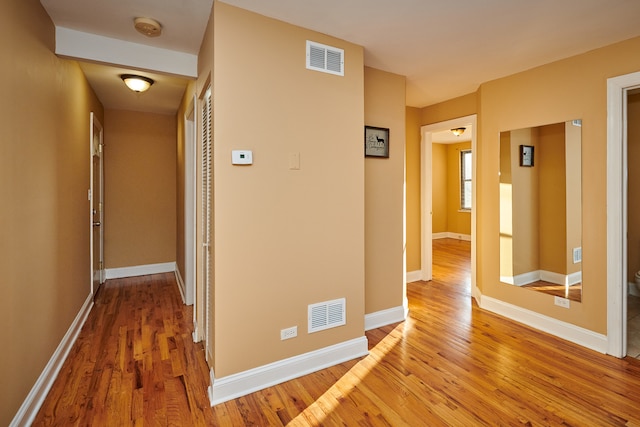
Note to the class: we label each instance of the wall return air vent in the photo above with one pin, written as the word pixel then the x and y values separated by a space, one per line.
pixel 325 58
pixel 328 314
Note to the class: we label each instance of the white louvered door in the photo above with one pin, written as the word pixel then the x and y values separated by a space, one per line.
pixel 207 184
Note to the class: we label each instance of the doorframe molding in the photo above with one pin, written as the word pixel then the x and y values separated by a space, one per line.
pixel 426 193
pixel 617 88
pixel 95 123
pixel 190 209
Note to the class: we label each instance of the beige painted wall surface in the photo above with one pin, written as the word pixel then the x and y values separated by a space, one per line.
pixel 439 217
pixel 564 90
pixel 44 214
pixel 285 238
pixel 458 222
pixel 525 204
pixel 412 188
pixel 140 188
pixel 633 153
pixel 573 158
pixel 553 198
pixel 461 106
pixel 384 106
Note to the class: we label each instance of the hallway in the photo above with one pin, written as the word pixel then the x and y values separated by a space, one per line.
pixel 449 363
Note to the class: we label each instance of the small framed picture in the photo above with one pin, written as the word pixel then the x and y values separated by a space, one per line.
pixel 526 155
pixel 376 142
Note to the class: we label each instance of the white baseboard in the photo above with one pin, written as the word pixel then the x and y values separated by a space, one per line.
pixel 140 270
pixel 385 317
pixel 450 235
pixel 413 276
pixel 243 383
pixel 564 330
pixel 547 276
pixel 180 283
pixel 40 389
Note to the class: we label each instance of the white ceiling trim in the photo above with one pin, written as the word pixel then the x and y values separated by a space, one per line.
pixel 92 47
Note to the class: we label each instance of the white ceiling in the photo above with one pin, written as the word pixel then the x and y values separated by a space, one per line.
pixel 445 48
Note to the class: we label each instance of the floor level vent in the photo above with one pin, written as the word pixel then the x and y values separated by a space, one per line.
pixel 325 315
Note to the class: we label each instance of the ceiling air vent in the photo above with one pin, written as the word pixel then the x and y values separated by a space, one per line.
pixel 325 58
pixel 325 315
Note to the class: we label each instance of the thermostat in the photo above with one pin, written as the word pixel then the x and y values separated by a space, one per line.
pixel 241 157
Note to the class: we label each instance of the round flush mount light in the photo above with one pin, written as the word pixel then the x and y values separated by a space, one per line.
pixel 147 26
pixel 137 83
pixel 458 131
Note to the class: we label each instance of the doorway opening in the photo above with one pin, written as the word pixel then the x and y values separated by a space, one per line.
pixel 96 198
pixel 430 134
pixel 618 89
pixel 633 223
pixel 190 206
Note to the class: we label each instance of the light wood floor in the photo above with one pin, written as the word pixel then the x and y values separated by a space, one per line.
pixel 449 363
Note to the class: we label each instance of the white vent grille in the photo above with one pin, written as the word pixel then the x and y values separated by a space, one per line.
pixel 325 58
pixel 325 315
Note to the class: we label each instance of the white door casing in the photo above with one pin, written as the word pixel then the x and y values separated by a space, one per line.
pixel 96 203
pixel 617 89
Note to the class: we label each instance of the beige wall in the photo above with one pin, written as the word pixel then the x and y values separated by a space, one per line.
pixel 140 188
pixel 44 213
pixel 412 188
pixel 574 170
pixel 564 90
pixel 462 106
pixel 439 217
pixel 384 106
pixel 284 238
pixel 525 204
pixel 553 198
pixel 633 154
pixel 445 197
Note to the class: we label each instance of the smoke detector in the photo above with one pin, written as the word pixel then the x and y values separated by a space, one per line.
pixel 147 26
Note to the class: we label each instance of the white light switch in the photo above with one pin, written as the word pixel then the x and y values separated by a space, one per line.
pixel 241 157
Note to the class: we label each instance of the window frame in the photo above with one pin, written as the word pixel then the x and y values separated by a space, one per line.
pixel 464 179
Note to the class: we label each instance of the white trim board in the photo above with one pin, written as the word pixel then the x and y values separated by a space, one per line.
pixel 180 283
pixel 450 235
pixel 240 384
pixel 31 405
pixel 546 276
pixel 140 270
pixel 617 88
pixel 413 276
pixel 564 330
pixel 385 317
pixel 107 50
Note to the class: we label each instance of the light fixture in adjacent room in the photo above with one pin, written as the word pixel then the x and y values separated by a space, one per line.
pixel 147 26
pixel 137 83
pixel 458 131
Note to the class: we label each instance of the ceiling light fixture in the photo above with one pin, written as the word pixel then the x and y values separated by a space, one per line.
pixel 147 26
pixel 137 83
pixel 458 131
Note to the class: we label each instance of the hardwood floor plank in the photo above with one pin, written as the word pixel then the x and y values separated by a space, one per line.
pixel 450 363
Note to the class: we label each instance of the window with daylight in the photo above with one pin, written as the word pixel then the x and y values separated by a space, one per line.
pixel 465 180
